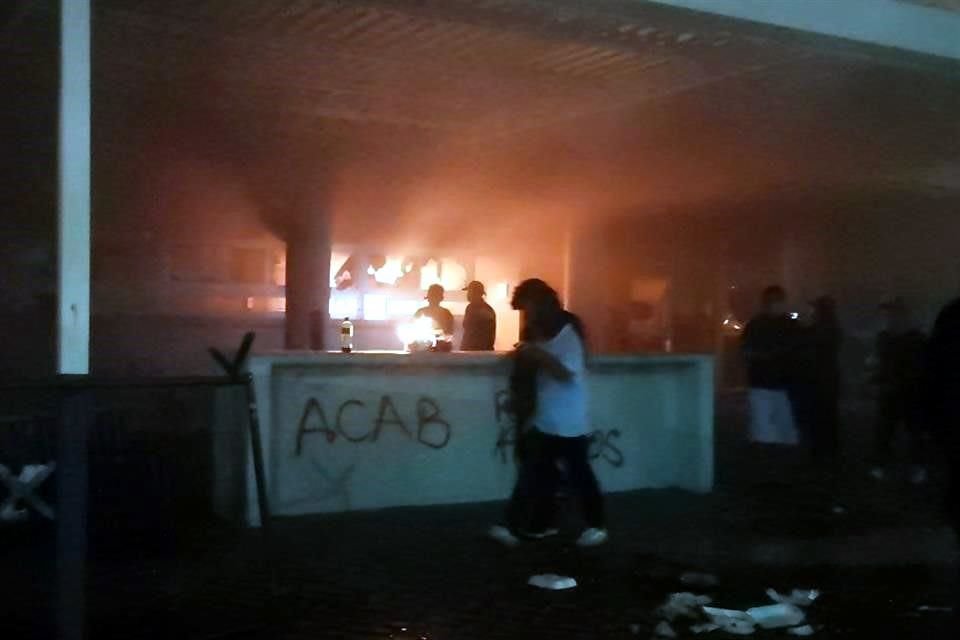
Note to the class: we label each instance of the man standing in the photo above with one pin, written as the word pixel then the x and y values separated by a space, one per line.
pixel 479 320
pixel 442 318
pixel 898 361
pixel 941 393
pixel 768 347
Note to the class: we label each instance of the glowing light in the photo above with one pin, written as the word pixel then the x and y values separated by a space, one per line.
pixel 277 304
pixel 250 303
pixel 418 334
pixel 429 274
pixel 390 272
pixel 374 307
pixel 454 276
pixel 371 271
pixel 500 292
pixel 794 315
pixel 343 306
pixel 398 308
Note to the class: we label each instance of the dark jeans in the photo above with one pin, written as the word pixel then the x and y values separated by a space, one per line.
pixel 895 410
pixel 545 480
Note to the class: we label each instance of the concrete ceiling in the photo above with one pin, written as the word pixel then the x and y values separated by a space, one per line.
pixel 619 90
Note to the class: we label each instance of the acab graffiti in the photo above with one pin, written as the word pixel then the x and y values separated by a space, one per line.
pixel 354 422
pixel 603 445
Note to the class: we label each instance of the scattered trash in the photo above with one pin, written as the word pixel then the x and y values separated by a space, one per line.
pixel 930 609
pixel 706 627
pixel 664 630
pixel 797 597
pixel 777 616
pixel 734 622
pixel 552 581
pixel 805 630
pixel 683 605
pixel 703 580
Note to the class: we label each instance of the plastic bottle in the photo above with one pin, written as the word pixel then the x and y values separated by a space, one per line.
pixel 346 336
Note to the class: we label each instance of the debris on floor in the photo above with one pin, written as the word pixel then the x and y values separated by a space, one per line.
pixel 732 621
pixel 552 582
pixel 805 630
pixel 785 614
pixel 683 605
pixel 797 597
pixel 777 616
pixel 931 609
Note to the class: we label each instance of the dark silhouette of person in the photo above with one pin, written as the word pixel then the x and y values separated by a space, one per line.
pixel 768 346
pixel 442 318
pixel 815 391
pixel 479 320
pixel 942 397
pixel 897 373
pixel 941 403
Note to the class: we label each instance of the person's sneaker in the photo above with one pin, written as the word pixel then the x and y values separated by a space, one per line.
pixel 919 476
pixel 593 537
pixel 540 535
pixel 503 535
pixel 877 473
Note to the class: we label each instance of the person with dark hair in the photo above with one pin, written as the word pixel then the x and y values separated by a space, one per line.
pixel 479 320
pixel 769 347
pixel 557 430
pixel 897 364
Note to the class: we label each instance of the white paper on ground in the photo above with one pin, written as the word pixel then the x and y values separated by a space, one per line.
pixel 777 616
pixel 552 581
pixel 732 621
pixel 664 630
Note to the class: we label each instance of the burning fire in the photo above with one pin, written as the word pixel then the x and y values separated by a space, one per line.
pixel 418 334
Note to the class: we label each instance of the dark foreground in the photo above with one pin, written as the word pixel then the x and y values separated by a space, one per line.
pixel 429 573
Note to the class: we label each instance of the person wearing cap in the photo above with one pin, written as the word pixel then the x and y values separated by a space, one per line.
pixel 479 320
pixel 442 318
pixel 897 373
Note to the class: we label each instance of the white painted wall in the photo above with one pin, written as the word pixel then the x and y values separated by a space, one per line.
pixel 655 416
pixel 888 23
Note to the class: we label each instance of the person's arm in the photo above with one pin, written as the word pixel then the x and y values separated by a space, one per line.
pixel 544 360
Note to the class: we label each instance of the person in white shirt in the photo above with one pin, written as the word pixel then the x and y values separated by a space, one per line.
pixel 553 341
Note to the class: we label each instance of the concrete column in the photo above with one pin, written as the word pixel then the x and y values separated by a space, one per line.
pixel 308 281
pixel 73 254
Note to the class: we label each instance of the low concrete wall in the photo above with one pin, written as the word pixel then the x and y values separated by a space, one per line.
pixel 367 431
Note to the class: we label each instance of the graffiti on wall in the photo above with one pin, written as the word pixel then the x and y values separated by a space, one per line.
pixel 356 422
pixel 603 445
